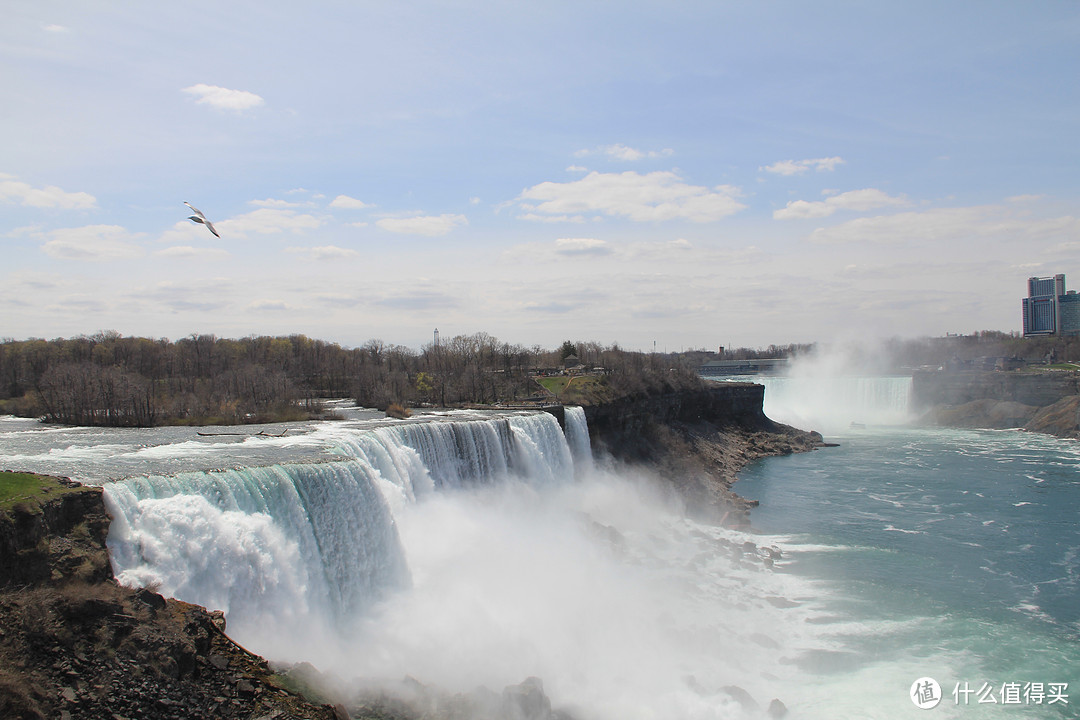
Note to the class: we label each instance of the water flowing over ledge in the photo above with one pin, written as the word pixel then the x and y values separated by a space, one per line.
pixel 273 545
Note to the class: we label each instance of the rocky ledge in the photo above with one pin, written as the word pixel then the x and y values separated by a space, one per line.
pixel 698 441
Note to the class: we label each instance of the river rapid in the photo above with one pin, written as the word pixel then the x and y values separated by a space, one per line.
pixel 945 554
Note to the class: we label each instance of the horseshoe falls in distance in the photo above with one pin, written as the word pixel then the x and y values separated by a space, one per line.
pixel 946 553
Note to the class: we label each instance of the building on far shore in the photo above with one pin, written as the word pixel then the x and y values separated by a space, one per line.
pixel 1049 309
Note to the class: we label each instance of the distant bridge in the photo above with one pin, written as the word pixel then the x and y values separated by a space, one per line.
pixel 743 367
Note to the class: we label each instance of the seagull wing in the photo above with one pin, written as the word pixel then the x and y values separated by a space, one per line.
pixel 194 209
pixel 210 226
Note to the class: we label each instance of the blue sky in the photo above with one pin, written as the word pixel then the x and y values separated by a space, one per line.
pixel 689 174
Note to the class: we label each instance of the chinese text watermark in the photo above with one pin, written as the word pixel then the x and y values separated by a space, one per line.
pixel 926 693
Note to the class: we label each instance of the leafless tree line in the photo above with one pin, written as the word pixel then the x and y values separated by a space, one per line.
pixel 108 379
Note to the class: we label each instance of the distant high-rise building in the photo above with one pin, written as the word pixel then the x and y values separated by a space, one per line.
pixel 1049 309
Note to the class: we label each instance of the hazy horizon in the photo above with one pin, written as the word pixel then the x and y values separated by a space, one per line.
pixel 705 174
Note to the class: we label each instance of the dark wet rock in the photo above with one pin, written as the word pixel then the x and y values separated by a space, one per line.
pixel 218 617
pixel 150 598
pixel 693 684
pixel 781 602
pixel 777 709
pixel 526 701
pixel 765 641
pixel 745 700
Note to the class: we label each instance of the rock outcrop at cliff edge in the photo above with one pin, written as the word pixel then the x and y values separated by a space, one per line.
pixel 1045 402
pixel 74 644
pixel 1061 419
pixel 697 440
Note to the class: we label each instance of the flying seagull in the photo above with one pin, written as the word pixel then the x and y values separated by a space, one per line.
pixel 200 218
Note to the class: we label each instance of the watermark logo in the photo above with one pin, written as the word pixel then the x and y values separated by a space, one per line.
pixel 925 693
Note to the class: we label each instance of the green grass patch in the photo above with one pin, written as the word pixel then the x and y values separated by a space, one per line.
pixel 29 490
pixel 553 385
pixel 576 389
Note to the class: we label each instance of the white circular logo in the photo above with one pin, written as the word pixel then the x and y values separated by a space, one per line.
pixel 925 693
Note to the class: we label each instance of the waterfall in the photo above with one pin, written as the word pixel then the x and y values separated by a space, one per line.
pixel 832 403
pixel 577 437
pixel 282 546
pixel 268 545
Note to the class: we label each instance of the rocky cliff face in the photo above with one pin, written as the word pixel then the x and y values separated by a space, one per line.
pixel 931 388
pixel 1041 402
pixel 697 441
pixel 61 535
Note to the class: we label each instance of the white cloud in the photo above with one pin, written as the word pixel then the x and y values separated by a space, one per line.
pixel 193 295
pixel 224 98
pixel 956 226
pixel 274 203
pixel 857 200
pixel 582 246
pixel 269 306
pixel 349 203
pixel 625 153
pixel 267 221
pixel 419 300
pixel 429 225
pixel 189 252
pixel 55 28
pixel 534 217
pixel 577 169
pixel 12 190
pixel 24 230
pixel 92 242
pixel 654 196
pixel 324 252
pixel 797 167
